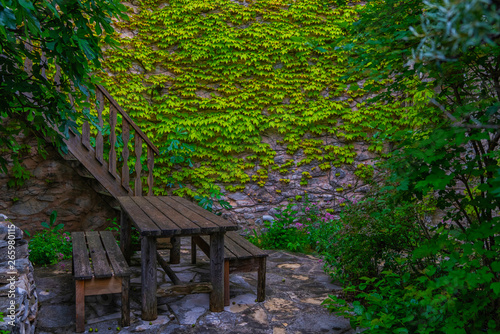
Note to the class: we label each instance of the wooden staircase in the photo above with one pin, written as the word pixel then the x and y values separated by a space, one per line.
pixel 102 151
pixel 95 155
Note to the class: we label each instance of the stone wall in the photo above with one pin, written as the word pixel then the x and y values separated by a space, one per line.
pixel 18 297
pixel 258 201
pixel 53 185
pixel 327 188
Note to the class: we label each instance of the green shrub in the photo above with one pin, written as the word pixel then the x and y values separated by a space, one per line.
pixel 457 294
pixel 298 227
pixel 51 245
pixel 449 280
pixel 373 236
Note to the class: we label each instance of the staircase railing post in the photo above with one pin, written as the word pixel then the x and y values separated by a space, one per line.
pixel 151 164
pixel 112 140
pixel 99 150
pixel 138 166
pixel 125 154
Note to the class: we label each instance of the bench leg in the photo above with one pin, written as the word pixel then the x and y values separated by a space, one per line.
pixel 193 251
pixel 217 271
pixel 226 283
pixel 261 280
pixel 175 252
pixel 148 278
pixel 80 305
pixel 125 302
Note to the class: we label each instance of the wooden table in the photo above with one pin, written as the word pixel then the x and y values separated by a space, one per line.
pixel 171 216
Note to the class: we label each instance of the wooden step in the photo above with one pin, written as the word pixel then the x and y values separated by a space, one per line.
pixel 69 157
pixel 99 188
pixel 110 185
pixel 82 171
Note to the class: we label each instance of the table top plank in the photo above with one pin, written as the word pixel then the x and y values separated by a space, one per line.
pixel 223 224
pixel 140 219
pixel 206 226
pixel 158 216
pixel 98 255
pixel 185 226
pixel 171 215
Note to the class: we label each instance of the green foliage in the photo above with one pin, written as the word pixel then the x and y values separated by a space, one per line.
pixel 135 238
pixel 364 171
pixel 51 245
pixel 230 73
pixel 448 281
pixel 375 235
pixel 450 28
pixel 66 32
pixel 298 227
pixel 207 202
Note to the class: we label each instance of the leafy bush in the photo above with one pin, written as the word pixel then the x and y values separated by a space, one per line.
pixel 51 245
pixel 375 235
pixel 298 231
pixel 450 282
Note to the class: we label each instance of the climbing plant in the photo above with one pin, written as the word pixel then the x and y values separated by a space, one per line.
pixel 232 73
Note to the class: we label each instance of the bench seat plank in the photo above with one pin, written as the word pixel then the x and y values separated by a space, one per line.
pixel 247 245
pixel 99 261
pixel 204 243
pixel 81 263
pixel 115 256
pixel 109 272
pixel 235 247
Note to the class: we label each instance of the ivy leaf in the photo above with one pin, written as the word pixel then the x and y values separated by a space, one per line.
pixel 495 287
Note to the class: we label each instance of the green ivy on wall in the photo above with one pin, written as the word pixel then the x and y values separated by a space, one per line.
pixel 231 72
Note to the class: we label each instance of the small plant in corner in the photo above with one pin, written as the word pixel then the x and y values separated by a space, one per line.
pixel 50 245
pixel 115 227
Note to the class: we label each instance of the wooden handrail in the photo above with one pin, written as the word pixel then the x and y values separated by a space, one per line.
pixel 129 120
pixel 121 175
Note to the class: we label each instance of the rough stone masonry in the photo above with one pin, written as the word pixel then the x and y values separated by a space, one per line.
pixel 18 297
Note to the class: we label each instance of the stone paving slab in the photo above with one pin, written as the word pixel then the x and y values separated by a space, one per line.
pixel 295 287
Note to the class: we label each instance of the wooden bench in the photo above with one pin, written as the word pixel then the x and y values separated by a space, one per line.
pixel 108 272
pixel 240 255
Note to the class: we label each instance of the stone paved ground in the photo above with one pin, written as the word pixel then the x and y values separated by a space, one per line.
pixel 296 285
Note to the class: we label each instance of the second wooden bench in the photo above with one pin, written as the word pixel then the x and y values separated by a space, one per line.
pixel 239 256
pixel 99 268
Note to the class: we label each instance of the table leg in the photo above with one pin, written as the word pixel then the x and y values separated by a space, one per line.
pixel 125 230
pixel 217 271
pixel 175 251
pixel 148 278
